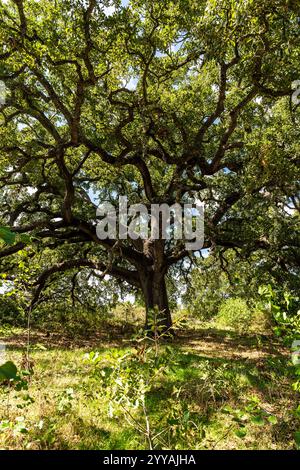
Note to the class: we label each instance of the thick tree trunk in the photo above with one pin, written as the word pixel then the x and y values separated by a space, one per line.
pixel 156 299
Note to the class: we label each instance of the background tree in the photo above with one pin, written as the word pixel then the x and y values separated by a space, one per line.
pixel 158 101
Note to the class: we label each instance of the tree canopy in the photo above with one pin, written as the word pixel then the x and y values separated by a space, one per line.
pixel 158 101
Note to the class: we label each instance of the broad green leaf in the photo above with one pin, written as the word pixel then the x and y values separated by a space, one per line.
pixel 8 371
pixel 8 236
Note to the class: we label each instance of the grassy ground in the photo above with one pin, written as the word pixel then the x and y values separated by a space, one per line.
pixel 236 388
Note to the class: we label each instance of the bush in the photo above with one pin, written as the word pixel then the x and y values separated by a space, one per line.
pixel 10 314
pixel 234 313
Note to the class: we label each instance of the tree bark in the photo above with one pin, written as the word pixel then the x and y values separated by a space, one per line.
pixel 156 299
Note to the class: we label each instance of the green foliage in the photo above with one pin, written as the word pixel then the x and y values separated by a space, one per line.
pixel 127 380
pixel 234 313
pixel 11 377
pixel 230 275
pixel 70 407
pixel 285 310
pixel 251 413
pixel 65 401
pixel 206 290
pixel 8 371
pixel 10 313
pixel 159 101
pixel 7 235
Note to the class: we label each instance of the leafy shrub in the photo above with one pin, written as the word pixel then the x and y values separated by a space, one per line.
pixel 127 380
pixel 261 322
pixel 10 314
pixel 284 307
pixel 234 313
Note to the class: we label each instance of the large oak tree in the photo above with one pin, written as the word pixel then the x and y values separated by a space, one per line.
pixel 156 100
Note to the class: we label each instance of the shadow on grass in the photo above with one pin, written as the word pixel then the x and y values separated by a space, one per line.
pixel 225 341
pixel 211 381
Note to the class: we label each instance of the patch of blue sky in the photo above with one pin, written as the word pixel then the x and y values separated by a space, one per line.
pixel 110 9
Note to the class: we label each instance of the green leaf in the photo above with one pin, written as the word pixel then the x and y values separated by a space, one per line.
pixel 25 238
pixel 272 419
pixel 258 420
pixel 8 371
pixel 297 439
pixel 8 236
pixel 241 433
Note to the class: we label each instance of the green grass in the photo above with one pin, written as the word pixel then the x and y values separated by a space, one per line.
pixel 217 378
